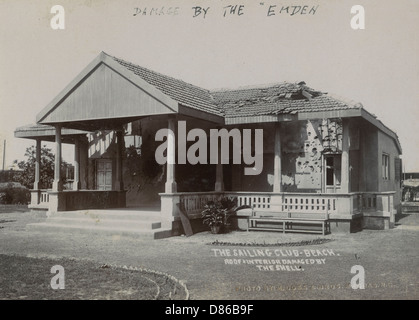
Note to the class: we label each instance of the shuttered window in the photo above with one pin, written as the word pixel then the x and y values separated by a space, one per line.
pixel 385 164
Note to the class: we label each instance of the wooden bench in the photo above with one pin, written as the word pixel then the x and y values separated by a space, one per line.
pixel 288 223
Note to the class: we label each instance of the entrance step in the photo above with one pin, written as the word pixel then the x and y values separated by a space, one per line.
pixel 96 221
pixel 98 230
pixel 135 223
pixel 104 214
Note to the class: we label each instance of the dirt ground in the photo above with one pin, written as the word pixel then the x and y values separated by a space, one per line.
pixel 235 266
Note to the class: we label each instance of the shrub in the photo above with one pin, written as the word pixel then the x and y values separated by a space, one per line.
pixel 14 195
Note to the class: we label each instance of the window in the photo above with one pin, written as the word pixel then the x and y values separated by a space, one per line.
pixel 333 170
pixel 134 141
pixel 386 166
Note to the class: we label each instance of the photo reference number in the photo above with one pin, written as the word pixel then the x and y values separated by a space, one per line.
pixel 213 309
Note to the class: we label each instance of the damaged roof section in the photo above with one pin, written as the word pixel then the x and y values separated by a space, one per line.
pixel 273 99
pixel 283 98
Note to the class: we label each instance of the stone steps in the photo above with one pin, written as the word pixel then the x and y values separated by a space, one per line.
pixel 133 223
pixel 100 230
pixel 94 221
pixel 129 215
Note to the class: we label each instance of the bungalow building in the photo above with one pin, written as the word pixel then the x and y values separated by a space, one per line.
pixel 321 154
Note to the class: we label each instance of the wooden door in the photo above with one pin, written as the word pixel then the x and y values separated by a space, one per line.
pixel 104 175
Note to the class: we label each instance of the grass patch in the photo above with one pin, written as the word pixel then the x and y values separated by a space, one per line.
pixel 30 278
pixel 10 208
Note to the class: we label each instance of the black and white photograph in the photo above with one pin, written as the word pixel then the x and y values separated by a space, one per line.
pixel 227 151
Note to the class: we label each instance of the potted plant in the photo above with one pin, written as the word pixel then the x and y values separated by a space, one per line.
pixel 216 214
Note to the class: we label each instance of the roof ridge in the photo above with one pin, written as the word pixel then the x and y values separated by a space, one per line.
pixel 254 86
pixel 156 72
pixel 340 98
pixel 210 91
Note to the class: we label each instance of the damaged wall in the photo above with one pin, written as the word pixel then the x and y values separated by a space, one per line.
pixel 303 143
pixel 331 135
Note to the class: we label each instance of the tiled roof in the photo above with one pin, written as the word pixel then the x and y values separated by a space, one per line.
pixel 252 93
pixel 185 93
pixel 248 101
pixel 277 99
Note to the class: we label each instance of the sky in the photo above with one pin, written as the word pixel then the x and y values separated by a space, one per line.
pixel 377 66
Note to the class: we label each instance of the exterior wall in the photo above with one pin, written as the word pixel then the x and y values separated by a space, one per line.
pixel 369 158
pixel 302 149
pixel 355 152
pixel 302 146
pixel 386 145
pixel 262 182
pixel 355 174
pixel 373 143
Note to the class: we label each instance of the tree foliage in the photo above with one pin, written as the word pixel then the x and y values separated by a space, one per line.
pixel 142 168
pixel 27 176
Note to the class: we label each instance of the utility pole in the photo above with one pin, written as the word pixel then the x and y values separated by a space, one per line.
pixel 4 153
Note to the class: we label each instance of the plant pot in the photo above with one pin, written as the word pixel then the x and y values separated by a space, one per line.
pixel 215 229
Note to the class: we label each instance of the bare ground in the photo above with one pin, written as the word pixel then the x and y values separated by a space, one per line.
pixel 389 258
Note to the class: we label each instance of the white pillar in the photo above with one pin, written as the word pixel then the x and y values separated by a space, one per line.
pixel 345 157
pixel 37 164
pixel 219 179
pixel 84 159
pixel 119 150
pixel 57 185
pixel 277 187
pixel 219 176
pixel 171 186
pixel 76 182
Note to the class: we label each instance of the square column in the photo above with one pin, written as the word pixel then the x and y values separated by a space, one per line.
pixel 219 178
pixel 76 182
pixel 171 185
pixel 83 162
pixel 219 175
pixel 57 185
pixel 277 185
pixel 345 157
pixel 276 198
pixel 37 164
pixel 119 183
